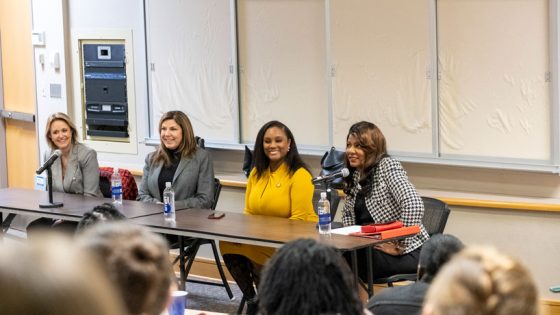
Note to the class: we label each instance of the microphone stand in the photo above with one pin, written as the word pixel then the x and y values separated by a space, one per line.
pixel 51 204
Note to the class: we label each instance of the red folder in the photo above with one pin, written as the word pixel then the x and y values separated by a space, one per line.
pixel 383 235
pixel 373 228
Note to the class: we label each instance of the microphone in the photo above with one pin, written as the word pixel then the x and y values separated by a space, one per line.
pixel 56 154
pixel 327 178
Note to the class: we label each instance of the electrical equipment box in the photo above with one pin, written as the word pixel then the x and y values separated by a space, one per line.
pixel 105 90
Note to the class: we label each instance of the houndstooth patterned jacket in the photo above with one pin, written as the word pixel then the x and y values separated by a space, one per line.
pixel 391 198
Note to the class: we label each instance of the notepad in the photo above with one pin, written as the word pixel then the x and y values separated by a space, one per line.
pixel 383 235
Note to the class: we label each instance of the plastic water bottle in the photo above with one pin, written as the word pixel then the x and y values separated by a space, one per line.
pixel 324 211
pixel 116 187
pixel 169 202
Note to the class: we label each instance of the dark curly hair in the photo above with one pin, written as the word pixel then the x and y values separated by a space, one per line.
pixel 102 213
pixel 308 277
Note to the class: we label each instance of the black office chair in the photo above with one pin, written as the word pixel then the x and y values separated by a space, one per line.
pixel 436 213
pixel 190 249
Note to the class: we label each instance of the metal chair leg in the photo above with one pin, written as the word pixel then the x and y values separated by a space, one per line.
pixel 241 305
pixel 221 270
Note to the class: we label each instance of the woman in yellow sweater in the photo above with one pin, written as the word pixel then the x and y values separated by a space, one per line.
pixel 279 185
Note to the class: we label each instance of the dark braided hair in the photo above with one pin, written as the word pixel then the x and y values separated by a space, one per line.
pixel 308 277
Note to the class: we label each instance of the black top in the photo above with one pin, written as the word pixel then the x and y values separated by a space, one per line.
pixel 405 299
pixel 167 172
pixel 363 216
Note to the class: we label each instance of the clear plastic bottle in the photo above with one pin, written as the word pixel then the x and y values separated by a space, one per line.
pixel 324 212
pixel 116 187
pixel 169 202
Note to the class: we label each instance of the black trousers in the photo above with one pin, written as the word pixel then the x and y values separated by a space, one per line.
pixel 385 265
pixel 51 225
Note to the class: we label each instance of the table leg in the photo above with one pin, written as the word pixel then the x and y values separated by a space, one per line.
pixel 369 271
pixel 354 259
pixel 182 263
pixel 5 224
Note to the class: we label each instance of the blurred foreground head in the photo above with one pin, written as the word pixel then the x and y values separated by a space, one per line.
pixel 137 262
pixel 49 275
pixel 308 277
pixel 482 281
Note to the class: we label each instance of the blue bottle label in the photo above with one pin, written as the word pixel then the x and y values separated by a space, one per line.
pixel 116 190
pixel 324 218
pixel 167 208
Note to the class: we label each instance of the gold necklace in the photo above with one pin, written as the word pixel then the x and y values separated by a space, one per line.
pixel 278 181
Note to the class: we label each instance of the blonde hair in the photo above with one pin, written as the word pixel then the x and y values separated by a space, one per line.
pixel 60 116
pixel 49 275
pixel 482 281
pixel 188 144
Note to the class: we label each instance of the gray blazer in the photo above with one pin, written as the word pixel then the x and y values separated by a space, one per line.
pixel 193 182
pixel 82 172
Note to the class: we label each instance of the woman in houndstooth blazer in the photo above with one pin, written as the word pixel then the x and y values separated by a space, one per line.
pixel 378 191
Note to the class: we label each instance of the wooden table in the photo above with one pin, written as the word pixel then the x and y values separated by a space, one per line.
pixel 247 229
pixel 26 201
pixel 234 227
pixel 256 230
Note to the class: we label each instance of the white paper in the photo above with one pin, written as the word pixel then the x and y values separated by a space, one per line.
pixel 347 230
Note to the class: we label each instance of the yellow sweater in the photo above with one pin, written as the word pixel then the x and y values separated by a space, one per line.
pixel 275 194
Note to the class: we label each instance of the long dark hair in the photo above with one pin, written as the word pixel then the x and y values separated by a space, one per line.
pixel 188 144
pixel 374 145
pixel 308 277
pixel 292 159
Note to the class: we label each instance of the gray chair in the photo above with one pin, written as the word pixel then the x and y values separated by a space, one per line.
pixel 436 213
pixel 190 247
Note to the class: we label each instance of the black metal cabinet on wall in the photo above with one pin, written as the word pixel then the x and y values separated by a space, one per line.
pixel 105 94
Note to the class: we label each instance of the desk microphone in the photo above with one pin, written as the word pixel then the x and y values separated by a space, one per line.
pixel 330 177
pixel 56 154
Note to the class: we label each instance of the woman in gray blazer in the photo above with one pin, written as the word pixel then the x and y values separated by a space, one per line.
pixel 178 160
pixel 77 169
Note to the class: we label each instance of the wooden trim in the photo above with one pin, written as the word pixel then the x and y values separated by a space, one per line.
pixel 550 307
pixel 461 202
pixel 203 267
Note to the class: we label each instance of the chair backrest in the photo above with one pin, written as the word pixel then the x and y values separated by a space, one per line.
pixel 217 190
pixel 436 213
pixel 130 190
pixel 105 182
pixel 333 197
pixel 200 142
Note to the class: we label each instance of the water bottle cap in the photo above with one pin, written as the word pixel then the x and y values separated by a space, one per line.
pixel 167 184
pixel 116 170
pixel 323 194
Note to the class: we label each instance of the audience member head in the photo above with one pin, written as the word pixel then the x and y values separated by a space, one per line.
pixel 136 260
pixel 435 252
pixel 308 277
pixel 102 213
pixel 50 276
pixel 176 137
pixel 275 144
pixel 60 132
pixel 482 281
pixel 365 145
